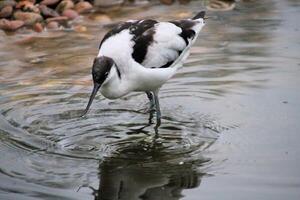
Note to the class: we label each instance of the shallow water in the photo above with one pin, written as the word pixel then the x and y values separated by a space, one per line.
pixel 230 116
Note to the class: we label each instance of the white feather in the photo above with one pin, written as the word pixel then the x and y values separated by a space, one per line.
pixel 165 46
pixel 141 77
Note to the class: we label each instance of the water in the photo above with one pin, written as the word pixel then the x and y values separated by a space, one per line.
pixel 230 116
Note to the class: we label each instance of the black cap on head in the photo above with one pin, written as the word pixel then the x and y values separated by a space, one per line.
pixel 101 68
pixel 100 71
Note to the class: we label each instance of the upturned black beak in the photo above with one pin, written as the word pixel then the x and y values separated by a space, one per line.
pixel 94 92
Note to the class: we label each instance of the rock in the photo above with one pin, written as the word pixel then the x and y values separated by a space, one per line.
pixel 57 19
pixel 103 19
pixel 183 15
pixel 71 14
pixel 32 1
pixel 22 3
pixel 38 27
pixel 184 1
pixel 10 25
pixel 80 29
pixel 83 7
pixel 167 2
pixel 28 18
pixel 27 6
pixel 4 3
pixel 49 2
pixel 221 5
pixel 64 5
pixel 52 25
pixel 6 12
pixel 108 4
pixel 48 12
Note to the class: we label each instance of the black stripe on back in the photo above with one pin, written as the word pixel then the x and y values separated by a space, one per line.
pixel 140 27
pixel 141 46
pixel 143 37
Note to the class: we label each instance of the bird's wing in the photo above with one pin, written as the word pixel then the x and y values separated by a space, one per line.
pixel 151 43
pixel 135 27
pixel 163 44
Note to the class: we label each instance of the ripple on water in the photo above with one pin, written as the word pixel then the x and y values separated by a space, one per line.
pixel 44 121
pixel 49 150
pixel 50 146
pixel 43 133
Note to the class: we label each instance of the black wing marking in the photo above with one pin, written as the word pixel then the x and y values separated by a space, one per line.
pixel 187 31
pixel 143 37
pixel 136 28
pixel 141 45
pixel 187 34
pixel 139 27
pixel 162 45
pixel 143 32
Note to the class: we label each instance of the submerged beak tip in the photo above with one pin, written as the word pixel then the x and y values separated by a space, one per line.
pixel 95 89
pixel 83 115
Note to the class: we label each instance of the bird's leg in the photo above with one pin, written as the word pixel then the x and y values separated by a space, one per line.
pixel 158 114
pixel 152 101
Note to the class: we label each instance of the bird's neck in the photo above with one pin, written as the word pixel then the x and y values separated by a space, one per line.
pixel 116 86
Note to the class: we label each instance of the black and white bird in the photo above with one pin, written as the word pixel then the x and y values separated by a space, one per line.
pixel 141 55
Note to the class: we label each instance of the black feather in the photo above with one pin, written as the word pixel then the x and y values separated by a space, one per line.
pixel 199 15
pixel 186 27
pixel 143 37
pixel 141 46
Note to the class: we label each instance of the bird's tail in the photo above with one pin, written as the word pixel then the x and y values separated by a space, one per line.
pixel 197 27
pixel 199 15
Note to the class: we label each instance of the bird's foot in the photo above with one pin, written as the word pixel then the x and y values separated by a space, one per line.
pixel 150 109
pixel 158 122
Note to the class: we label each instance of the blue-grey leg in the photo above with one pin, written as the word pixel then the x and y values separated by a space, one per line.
pixel 152 101
pixel 157 107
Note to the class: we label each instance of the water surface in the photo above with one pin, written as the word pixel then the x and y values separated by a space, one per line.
pixel 230 116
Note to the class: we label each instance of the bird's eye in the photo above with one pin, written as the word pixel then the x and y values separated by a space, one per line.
pixel 106 73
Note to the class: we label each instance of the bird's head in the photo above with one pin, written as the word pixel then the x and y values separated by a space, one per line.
pixel 101 68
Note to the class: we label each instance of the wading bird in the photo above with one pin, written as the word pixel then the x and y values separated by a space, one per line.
pixel 141 55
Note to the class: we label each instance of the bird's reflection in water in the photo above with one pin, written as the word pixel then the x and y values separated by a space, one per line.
pixel 144 170
pixel 151 165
